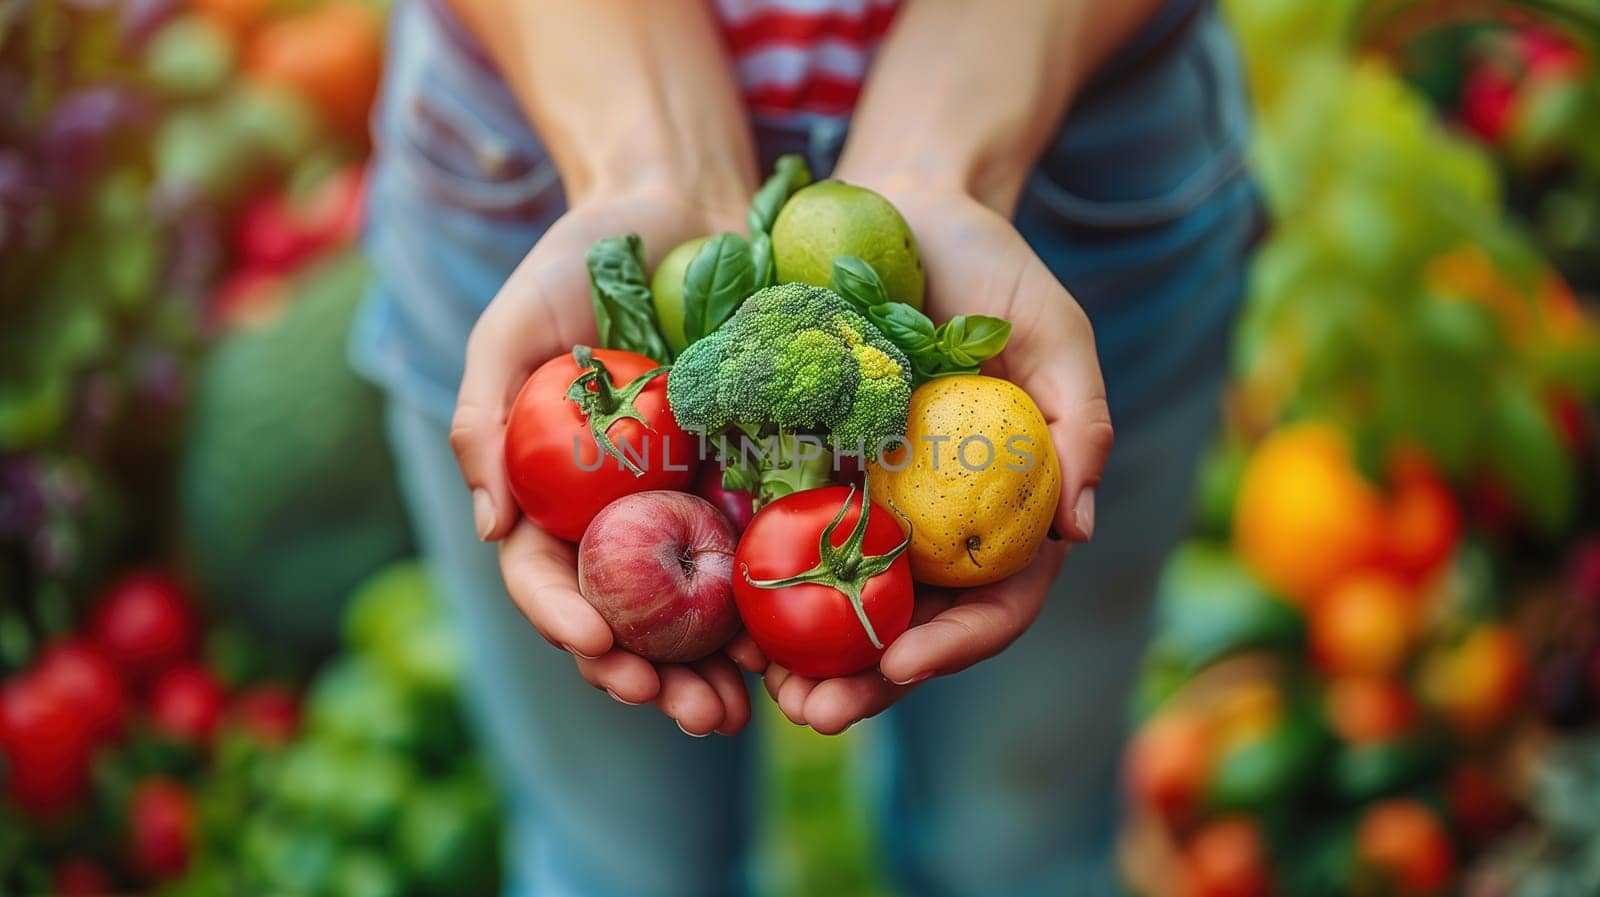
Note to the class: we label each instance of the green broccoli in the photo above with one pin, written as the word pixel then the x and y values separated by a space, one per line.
pixel 794 358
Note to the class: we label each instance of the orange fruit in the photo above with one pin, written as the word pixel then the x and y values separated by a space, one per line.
pixel 1364 625
pixel 1369 709
pixel 1403 842
pixel 1227 858
pixel 1169 761
pixel 332 55
pixel 1304 516
pixel 1477 683
pixel 1422 523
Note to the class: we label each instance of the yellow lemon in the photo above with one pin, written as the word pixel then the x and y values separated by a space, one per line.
pixel 831 218
pixel 978 479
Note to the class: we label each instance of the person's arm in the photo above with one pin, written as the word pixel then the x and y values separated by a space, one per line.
pixel 964 95
pixel 624 96
pixel 637 106
pixel 962 99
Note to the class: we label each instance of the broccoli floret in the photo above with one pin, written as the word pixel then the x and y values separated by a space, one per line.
pixel 797 358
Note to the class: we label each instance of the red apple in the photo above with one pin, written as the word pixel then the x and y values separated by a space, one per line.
pixel 658 566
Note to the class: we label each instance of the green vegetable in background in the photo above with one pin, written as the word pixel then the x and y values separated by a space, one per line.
pixel 958 346
pixel 623 312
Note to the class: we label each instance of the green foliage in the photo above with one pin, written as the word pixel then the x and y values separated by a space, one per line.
pixel 958 346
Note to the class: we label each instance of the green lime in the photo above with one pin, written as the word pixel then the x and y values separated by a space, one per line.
pixel 831 218
pixel 666 290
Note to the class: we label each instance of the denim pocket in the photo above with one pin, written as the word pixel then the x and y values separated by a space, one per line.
pixel 455 129
pixel 1153 147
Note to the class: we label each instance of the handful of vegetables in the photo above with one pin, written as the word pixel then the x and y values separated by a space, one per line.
pixel 697 456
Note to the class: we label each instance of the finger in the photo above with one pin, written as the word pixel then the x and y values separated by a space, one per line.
pixel 627 677
pixel 689 699
pixel 541 577
pixel 1064 379
pixel 725 680
pixel 773 679
pixel 792 697
pixel 837 704
pixel 980 623
pixel 520 329
pixel 746 654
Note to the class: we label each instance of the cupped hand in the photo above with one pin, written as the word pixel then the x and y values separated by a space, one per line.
pixel 545 309
pixel 977 263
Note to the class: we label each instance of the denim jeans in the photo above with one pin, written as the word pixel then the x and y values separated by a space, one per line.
pixel 997 781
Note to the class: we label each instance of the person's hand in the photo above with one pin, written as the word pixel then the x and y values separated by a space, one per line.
pixel 545 309
pixel 977 263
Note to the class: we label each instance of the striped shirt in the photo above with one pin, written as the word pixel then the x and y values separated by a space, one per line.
pixel 803 57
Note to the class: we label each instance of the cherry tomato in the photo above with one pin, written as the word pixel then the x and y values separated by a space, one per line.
pixel 46 747
pixel 269 714
pixel 812 628
pixel 84 677
pixel 160 827
pixel 186 704
pixel 145 624
pixel 559 475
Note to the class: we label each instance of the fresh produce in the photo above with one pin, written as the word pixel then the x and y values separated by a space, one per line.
pixel 588 428
pixel 958 346
pixel 46 746
pixel 977 479
pixel 1365 625
pixel 161 821
pixel 145 623
pixel 819 600
pixel 666 290
pixel 186 704
pixel 1405 849
pixel 331 53
pixel 81 674
pixel 1299 488
pixel 737 505
pixel 794 358
pixel 658 567
pixel 1228 858
pixel 830 219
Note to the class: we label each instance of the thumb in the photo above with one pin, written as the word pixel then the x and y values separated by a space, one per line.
pixel 477 431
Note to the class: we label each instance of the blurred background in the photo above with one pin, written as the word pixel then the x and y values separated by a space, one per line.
pixel 1376 665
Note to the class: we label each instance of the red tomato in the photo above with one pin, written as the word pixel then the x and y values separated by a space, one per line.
pixel 1227 858
pixel 1404 842
pixel 45 745
pixel 269 714
pixel 88 681
pixel 144 623
pixel 160 825
pixel 79 877
pixel 186 704
pixel 1422 522
pixel 550 441
pixel 812 628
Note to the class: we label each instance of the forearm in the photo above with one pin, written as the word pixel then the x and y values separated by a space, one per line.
pixel 965 97
pixel 624 96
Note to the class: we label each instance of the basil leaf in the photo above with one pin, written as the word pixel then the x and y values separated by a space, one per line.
pixel 858 284
pixel 904 326
pixel 970 340
pixel 789 174
pixel 766 269
pixel 720 277
pixel 623 312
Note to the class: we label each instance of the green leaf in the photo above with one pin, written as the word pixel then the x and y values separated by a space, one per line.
pixel 623 312
pixel 1527 452
pixel 970 340
pixel 766 269
pixel 858 284
pixel 789 174
pixel 721 276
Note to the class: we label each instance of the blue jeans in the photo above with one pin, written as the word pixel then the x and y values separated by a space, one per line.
pixel 996 781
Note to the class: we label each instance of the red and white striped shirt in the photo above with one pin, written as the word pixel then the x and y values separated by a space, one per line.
pixel 803 57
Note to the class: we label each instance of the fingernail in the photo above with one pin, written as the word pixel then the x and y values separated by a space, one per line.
pixel 571 650
pixel 1084 513
pixel 688 733
pixel 483 513
pixel 1054 534
pixel 914 679
pixel 620 700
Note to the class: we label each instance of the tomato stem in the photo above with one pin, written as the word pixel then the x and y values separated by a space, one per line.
pixel 603 403
pixel 846 569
